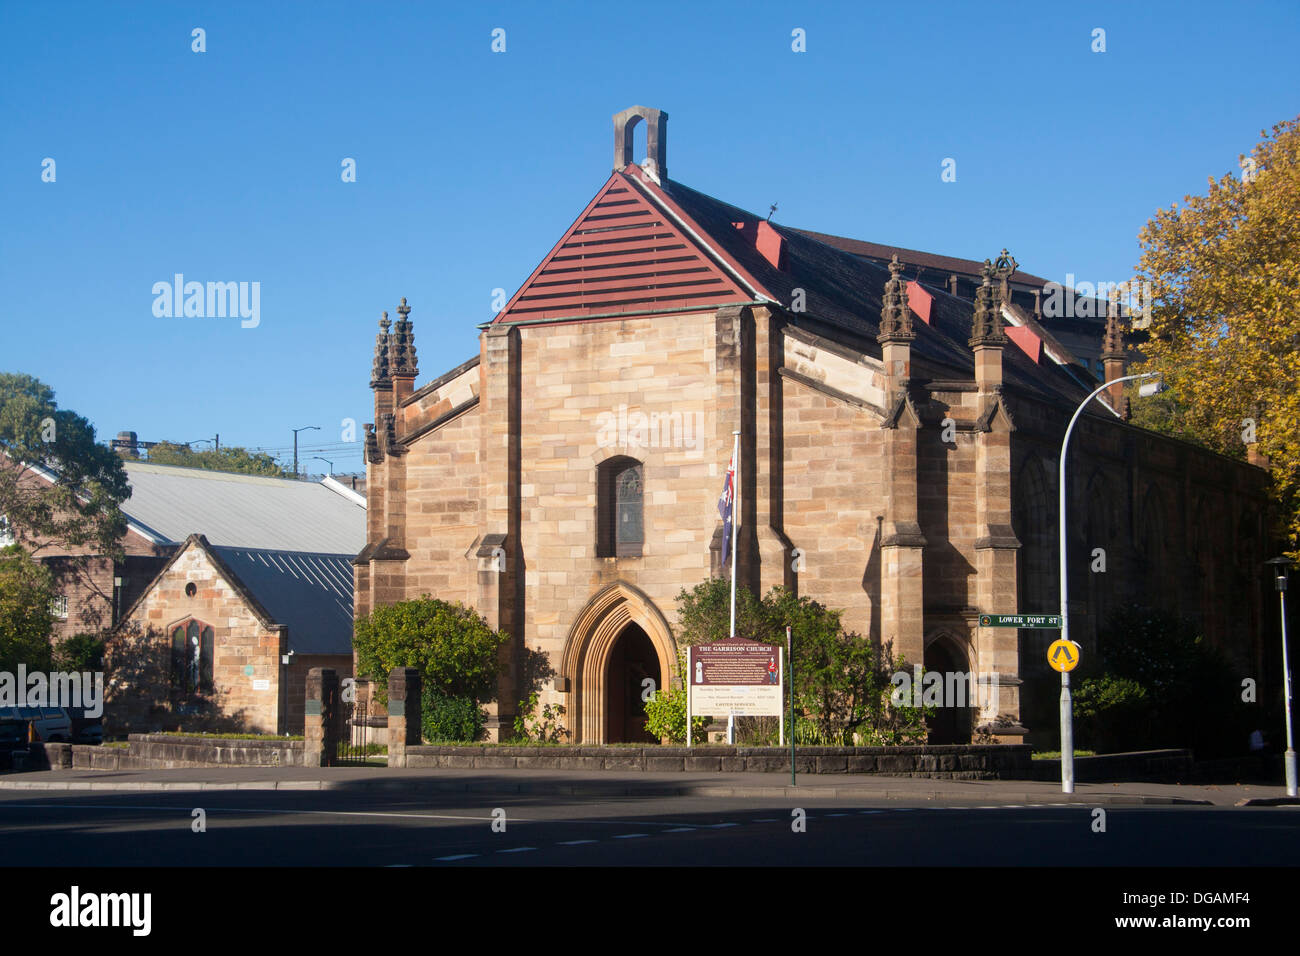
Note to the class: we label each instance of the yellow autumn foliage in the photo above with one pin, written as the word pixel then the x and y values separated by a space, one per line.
pixel 1224 274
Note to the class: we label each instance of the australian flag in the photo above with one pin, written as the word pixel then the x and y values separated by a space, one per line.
pixel 724 507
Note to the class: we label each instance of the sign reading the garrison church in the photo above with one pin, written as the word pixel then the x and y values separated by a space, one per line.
pixel 1063 655
pixel 1020 620
pixel 736 677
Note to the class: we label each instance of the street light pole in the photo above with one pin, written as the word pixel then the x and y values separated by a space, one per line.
pixel 305 428
pixel 1067 708
pixel 326 460
pixel 1281 567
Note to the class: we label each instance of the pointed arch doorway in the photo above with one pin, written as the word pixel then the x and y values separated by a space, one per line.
pixel 950 724
pixel 618 641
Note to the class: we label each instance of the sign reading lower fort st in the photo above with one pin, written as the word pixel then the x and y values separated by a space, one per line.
pixel 736 677
pixel 1020 620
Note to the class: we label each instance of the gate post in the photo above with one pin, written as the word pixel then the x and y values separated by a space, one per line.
pixel 403 713
pixel 320 731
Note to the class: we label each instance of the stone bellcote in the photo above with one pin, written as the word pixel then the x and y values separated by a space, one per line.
pixel 655 163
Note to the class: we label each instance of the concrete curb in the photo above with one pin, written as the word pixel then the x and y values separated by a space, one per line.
pixel 620 790
pixel 1269 802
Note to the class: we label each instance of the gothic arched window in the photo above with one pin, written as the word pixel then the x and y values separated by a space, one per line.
pixel 192 658
pixel 620 520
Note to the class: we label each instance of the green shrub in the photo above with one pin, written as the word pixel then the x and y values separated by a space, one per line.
pixel 665 712
pixel 453 648
pixel 539 726
pixel 841 680
pixel 1113 713
pixel 450 719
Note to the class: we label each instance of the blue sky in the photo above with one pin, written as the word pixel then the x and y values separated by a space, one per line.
pixel 225 165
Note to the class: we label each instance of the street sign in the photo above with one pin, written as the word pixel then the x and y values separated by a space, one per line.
pixel 1020 620
pixel 1063 656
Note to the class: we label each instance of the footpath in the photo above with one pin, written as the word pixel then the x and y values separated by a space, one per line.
pixel 857 788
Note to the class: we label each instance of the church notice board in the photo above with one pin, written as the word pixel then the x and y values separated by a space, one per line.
pixel 736 677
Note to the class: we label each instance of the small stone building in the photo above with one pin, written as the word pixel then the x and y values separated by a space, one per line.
pixel 899 445
pixel 257 593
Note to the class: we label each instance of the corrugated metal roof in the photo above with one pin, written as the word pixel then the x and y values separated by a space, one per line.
pixel 246 511
pixel 310 593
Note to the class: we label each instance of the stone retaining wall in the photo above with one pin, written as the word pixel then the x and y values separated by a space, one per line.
pixel 1168 766
pixel 166 752
pixel 1008 762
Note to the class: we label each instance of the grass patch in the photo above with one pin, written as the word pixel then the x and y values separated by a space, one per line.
pixel 185 733
pixel 1056 754
pixel 120 744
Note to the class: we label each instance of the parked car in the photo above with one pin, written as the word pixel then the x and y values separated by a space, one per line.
pixel 13 739
pixel 46 724
pixel 85 730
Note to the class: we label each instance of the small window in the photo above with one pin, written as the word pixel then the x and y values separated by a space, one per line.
pixel 59 607
pixel 6 536
pixel 620 518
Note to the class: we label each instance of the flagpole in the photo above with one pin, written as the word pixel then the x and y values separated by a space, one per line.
pixel 735 523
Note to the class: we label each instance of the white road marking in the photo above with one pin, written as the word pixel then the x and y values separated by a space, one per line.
pixel 628 836
pixel 575 842
pixel 458 856
pixel 518 849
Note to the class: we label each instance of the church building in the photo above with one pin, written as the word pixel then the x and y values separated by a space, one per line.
pixel 899 432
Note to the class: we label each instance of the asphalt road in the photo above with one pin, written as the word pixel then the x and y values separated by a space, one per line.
pixel 392 829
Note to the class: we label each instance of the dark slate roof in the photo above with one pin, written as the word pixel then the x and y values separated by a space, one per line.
pixel 310 593
pixel 943 266
pixel 843 291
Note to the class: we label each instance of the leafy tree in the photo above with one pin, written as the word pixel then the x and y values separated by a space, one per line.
pixel 25 619
pixel 231 458
pixel 80 652
pixel 1225 320
pixel 80 511
pixel 453 648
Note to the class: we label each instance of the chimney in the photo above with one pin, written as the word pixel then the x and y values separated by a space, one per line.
pixel 127 445
pixel 952 284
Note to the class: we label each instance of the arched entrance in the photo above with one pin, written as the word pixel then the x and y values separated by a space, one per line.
pixel 950 724
pixel 619 637
pixel 631 662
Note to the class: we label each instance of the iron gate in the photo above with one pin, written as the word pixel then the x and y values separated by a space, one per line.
pixel 351 743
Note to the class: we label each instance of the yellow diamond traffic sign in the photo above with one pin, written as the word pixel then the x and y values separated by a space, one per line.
pixel 1063 655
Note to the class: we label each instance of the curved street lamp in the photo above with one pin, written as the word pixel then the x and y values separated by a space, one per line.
pixel 305 428
pixel 1067 713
